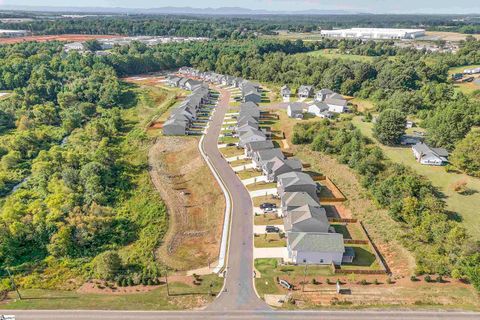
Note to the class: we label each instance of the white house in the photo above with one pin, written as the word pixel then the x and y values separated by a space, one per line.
pixel 295 110
pixel 315 248
pixel 285 91
pixel 336 105
pixel 430 156
pixel 320 109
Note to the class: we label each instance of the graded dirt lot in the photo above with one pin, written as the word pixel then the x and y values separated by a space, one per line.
pixel 60 37
pixel 194 200
pixel 449 36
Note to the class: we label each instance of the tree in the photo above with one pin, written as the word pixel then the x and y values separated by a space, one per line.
pixel 466 155
pixel 390 127
pixel 106 265
pixel 92 45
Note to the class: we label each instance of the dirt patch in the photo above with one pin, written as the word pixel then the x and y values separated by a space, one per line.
pixel 61 37
pixel 186 184
pixel 101 287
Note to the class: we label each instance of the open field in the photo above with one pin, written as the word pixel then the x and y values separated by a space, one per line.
pixel 186 184
pixel 362 104
pixel 60 37
pixel 466 205
pixel 449 36
pixel 184 295
pixel 334 54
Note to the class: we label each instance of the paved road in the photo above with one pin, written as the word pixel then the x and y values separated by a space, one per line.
pixel 239 293
pixel 248 315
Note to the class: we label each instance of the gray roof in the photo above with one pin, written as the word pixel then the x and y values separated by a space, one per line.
pixel 303 87
pixel 295 178
pixel 298 199
pixel 426 150
pixel 268 154
pixel 296 106
pixel 315 242
pixel 325 91
pixel 259 145
pixel 337 102
pixel 306 219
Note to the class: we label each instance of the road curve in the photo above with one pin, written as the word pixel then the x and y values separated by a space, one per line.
pixel 238 293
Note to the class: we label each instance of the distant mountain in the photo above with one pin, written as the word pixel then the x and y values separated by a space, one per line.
pixel 170 10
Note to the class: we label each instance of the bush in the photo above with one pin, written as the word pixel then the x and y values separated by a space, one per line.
pixel 413 278
pixel 130 282
pixel 364 282
pixel 328 281
pixel 375 282
pixel 107 265
pixel 389 280
pixel 427 278
pixel 314 281
pixel 439 279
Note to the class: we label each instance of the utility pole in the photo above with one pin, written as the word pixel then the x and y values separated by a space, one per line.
pixel 166 281
pixel 13 284
pixel 304 274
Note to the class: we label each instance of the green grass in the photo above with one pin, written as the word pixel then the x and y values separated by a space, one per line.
pixel 465 205
pixel 261 185
pixel 269 240
pixel 231 151
pixel 334 54
pixel 240 162
pixel 156 299
pixel 223 140
pixel 364 259
pixel 257 201
pixel 249 173
pixel 267 219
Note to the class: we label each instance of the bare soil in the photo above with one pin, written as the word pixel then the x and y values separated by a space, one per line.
pixel 194 200
pixel 61 37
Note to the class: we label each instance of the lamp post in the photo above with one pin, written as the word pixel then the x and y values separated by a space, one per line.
pixel 304 274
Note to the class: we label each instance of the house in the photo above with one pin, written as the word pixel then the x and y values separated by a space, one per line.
pixel 285 91
pixel 306 219
pixel 252 147
pixel 262 156
pixel 252 96
pixel 277 166
pixel 175 127
pixel 315 248
pixel 322 94
pixel 335 104
pixel 292 200
pixel 409 124
pixel 295 110
pixel 304 92
pixel 250 136
pixel 430 156
pixel 320 109
pixel 296 182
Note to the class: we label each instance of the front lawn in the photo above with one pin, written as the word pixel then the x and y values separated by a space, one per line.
pixel 240 162
pixel 261 185
pixel 267 219
pixel 269 240
pixel 231 151
pixel 249 173
pixel 257 201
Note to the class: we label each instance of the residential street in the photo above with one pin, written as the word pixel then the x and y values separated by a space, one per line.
pixel 239 293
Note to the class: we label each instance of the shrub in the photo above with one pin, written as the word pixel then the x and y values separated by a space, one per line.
pixel 439 279
pixel 389 280
pixel 428 278
pixel 375 282
pixel 413 278
pixel 130 282
pixel 328 281
pixel 364 282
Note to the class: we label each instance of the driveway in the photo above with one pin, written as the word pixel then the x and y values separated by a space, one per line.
pixel 275 252
pixel 263 192
pixel 260 229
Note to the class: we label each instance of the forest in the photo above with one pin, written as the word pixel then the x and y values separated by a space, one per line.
pixel 233 27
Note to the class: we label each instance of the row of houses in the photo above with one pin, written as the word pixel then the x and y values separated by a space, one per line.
pixel 250 91
pixel 326 104
pixel 310 238
pixel 183 119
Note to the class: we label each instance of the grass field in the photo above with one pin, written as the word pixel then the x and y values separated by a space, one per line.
pixel 465 205
pixel 334 54
pixel 363 104
pixel 183 296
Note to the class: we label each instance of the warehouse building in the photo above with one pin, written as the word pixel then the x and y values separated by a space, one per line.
pixel 374 33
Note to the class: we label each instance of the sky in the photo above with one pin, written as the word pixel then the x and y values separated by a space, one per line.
pixel 372 6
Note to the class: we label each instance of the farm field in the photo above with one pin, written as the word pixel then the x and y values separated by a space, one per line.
pixel 465 205
pixel 60 37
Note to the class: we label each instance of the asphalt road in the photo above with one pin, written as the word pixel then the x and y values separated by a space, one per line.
pixel 250 315
pixel 238 292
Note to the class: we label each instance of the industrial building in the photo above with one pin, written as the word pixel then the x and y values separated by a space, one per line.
pixel 374 33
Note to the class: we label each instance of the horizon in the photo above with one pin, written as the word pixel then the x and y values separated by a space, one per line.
pixel 439 7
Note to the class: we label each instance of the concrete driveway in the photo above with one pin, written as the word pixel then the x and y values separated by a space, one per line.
pixel 263 192
pixel 276 252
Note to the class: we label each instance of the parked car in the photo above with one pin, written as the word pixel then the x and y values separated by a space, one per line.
pixel 272 229
pixel 285 284
pixel 269 209
pixel 231 144
pixel 228 134
pixel 267 205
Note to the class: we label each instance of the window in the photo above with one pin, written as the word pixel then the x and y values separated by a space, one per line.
pixel 321 260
